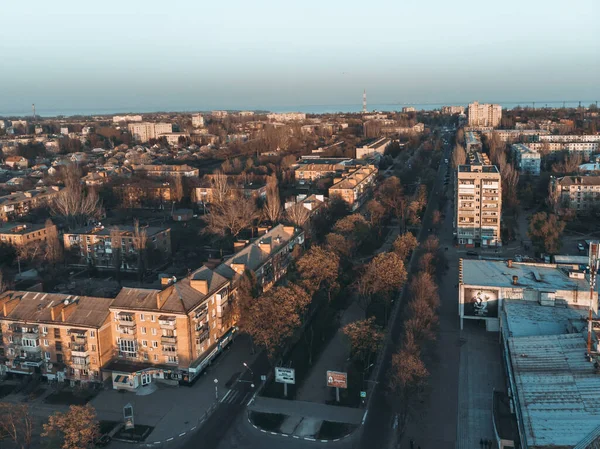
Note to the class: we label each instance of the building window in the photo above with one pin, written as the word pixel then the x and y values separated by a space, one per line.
pixel 155 358
pixel 46 343
pixel 44 329
pixel 145 356
pixel 171 359
pixel 144 343
pixel 93 334
pixel 155 344
pixel 153 331
pixel 142 317
pixel 152 318
pixel 47 355
pixel 128 348
pixel 143 331
pixel 56 332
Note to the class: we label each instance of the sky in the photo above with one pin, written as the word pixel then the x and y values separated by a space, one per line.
pixel 144 55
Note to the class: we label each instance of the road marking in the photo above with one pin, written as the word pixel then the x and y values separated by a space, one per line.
pixel 182 434
pixel 273 433
pixel 226 395
pixel 263 430
pixel 157 442
pixel 193 428
pixel 337 439
pixel 365 416
pixel 250 402
pixel 170 439
pixel 309 439
pixel 284 435
pixel 323 441
pixel 296 436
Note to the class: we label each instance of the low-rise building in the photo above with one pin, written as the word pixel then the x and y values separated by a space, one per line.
pixel 472 142
pixel 565 138
pixel 144 131
pixel 20 234
pixel 406 109
pixel 120 247
pixel 287 117
pixel 485 284
pixel 208 193
pixel 174 138
pixel 19 204
pixel 167 171
pixel 451 110
pixel 197 120
pixel 527 160
pixel 355 187
pixel 376 146
pixel 579 193
pixel 61 337
pixel 16 162
pixel 126 118
pixel 145 195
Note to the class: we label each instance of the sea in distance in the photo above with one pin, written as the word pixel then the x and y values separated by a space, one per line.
pixel 309 109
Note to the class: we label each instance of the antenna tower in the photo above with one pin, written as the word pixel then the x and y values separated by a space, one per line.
pixel 33 109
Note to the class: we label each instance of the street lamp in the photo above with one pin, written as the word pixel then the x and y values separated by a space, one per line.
pixel 217 389
pixel 248 368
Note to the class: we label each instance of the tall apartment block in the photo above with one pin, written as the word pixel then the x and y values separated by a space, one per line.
pixel 484 114
pixel 478 200
pixel 144 131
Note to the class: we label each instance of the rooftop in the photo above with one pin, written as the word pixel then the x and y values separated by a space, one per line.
pixel 558 390
pixel 20 228
pixel 354 178
pixel 579 181
pixel 536 276
pixel 478 169
pixel 123 230
pixel 527 319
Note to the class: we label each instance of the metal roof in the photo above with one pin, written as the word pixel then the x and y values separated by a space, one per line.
pixel 526 319
pixel 557 389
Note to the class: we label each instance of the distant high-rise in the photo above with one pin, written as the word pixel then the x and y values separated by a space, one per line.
pixel 33 109
pixel 364 101
pixel 484 114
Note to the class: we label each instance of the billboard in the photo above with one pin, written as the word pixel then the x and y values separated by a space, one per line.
pixel 337 379
pixel 285 375
pixel 481 303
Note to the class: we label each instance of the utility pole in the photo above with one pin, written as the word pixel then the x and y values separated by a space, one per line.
pixel 594 253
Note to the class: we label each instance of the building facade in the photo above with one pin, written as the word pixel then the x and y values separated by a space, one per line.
pixel 167 171
pixel 377 146
pixel 19 234
pixel 451 110
pixel 528 161
pixel 484 114
pixel 105 248
pixel 478 200
pixel 144 131
pixel 355 187
pixel 197 120
pixel 579 193
pixel 60 337
pixel 19 204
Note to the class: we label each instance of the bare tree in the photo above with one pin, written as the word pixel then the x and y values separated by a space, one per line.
pixel 220 185
pixel 459 156
pixel 177 189
pixel 272 207
pixel 16 423
pixel 231 216
pixel 140 242
pixel 53 248
pixel 404 245
pixel 117 252
pixel 319 267
pixel 74 203
pixel 298 214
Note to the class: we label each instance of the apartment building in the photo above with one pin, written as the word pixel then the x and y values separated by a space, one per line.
pixel 144 131
pixel 104 248
pixel 478 199
pixel 513 135
pixel 171 335
pixel 287 117
pixel 355 187
pixel 472 142
pixel 484 114
pixel 19 204
pixel 527 160
pixel 19 234
pixel 451 110
pixel 219 114
pixel 565 138
pixel 310 169
pixel 407 109
pixel 61 337
pixel 146 195
pixel 207 193
pixel 585 149
pixel 197 120
pixel 376 146
pixel 167 171
pixel 580 193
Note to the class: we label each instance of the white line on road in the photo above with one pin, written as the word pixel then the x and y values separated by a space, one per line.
pixel 273 433
pixel 365 416
pixel 193 428
pixel 309 439
pixel 225 397
pixel 157 442
pixel 284 435
pixel 296 436
pixel 170 439
pixel 182 434
pixel 263 431
pixel 250 402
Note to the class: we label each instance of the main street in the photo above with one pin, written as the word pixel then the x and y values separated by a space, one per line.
pixel 229 427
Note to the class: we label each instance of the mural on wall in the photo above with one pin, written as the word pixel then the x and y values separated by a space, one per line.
pixel 481 303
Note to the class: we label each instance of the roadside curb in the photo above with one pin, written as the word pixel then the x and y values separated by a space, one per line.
pixel 297 437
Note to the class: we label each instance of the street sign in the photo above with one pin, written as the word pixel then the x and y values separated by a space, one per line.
pixel 263 377
pixel 285 375
pixel 363 394
pixel 337 379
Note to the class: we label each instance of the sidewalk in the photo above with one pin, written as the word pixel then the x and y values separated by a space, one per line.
pixel 173 410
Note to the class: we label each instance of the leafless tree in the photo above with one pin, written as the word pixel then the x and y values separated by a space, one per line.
pixel 140 242
pixel 231 216
pixel 74 203
pixel 220 186
pixel 298 214
pixel 176 189
pixel 16 423
pixel 272 207
pixel 459 156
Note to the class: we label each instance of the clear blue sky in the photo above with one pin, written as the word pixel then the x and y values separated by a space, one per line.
pixel 204 54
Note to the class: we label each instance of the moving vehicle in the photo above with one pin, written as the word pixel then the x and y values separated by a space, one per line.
pixel 580 247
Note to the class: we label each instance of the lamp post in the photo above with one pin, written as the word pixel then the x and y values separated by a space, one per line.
pixel 217 389
pixel 248 368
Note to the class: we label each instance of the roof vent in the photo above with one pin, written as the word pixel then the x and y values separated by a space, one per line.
pixel 509 263
pixel 515 280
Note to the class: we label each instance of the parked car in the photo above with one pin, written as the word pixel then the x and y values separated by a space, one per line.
pixel 472 253
pixel 580 247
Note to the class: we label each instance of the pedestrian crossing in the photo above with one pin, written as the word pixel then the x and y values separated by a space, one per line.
pixel 231 397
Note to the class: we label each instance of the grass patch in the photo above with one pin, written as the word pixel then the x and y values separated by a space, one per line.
pixel 331 430
pixel 137 434
pixel 267 421
pixel 67 397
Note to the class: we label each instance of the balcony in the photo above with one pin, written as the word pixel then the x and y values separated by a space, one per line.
pixel 166 322
pixel 127 329
pixel 169 350
pixel 79 350
pixel 168 339
pixel 80 362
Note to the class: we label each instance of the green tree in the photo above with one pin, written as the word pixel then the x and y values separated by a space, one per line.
pixel 77 428
pixel 545 231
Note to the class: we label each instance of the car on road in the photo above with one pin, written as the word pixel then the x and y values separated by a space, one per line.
pixel 580 247
pixel 446 161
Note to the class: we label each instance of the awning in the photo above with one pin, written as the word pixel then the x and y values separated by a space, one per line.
pixel 122 379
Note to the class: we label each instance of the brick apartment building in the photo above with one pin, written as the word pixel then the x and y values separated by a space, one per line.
pixel 168 171
pixel 579 193
pixel 19 204
pixel 19 234
pixel 97 246
pixel 355 187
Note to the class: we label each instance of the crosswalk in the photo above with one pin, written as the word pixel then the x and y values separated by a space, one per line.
pixel 233 397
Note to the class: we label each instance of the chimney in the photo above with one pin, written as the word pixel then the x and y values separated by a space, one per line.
pixel 509 263
pixel 289 230
pixel 239 245
pixel 200 285
pixel 265 247
pixel 515 280
pixel 67 311
pixel 162 296
pixel 239 268
pixel 9 305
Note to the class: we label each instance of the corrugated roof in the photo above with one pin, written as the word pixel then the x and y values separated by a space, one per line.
pixel 525 319
pixel 557 389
